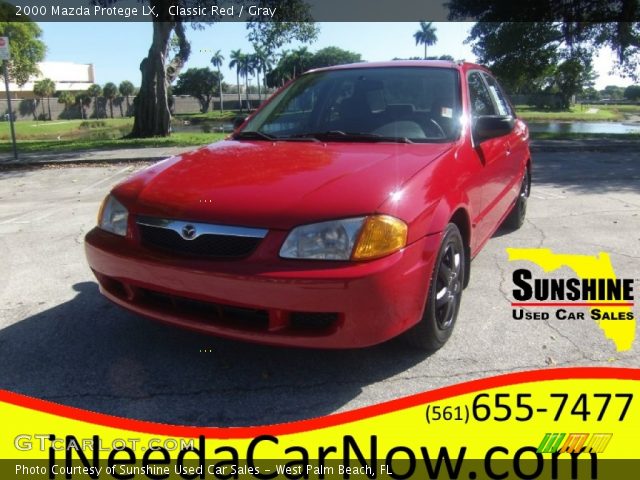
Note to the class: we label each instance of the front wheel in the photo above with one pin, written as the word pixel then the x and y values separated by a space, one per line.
pixel 445 293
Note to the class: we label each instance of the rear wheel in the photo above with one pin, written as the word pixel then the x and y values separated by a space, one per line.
pixel 445 293
pixel 516 216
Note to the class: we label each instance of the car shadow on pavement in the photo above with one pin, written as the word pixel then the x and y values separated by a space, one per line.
pixel 588 172
pixel 93 355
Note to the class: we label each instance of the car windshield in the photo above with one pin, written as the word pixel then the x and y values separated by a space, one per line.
pixel 404 104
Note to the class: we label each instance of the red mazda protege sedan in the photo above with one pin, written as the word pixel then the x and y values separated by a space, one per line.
pixel 342 213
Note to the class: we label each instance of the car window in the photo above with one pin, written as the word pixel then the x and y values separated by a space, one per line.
pixel 479 96
pixel 299 107
pixel 418 103
pixel 504 108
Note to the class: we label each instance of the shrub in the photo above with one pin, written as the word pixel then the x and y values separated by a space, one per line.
pixel 93 124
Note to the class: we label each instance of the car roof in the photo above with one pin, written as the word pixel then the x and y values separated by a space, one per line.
pixel 406 63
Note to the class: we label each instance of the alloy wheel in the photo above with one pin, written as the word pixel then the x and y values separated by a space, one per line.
pixel 448 286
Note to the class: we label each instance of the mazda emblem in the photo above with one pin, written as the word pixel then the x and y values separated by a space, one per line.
pixel 188 232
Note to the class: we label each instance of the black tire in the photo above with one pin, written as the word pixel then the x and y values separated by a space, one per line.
pixel 445 293
pixel 518 212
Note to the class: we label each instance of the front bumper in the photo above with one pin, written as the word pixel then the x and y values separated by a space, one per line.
pixel 266 299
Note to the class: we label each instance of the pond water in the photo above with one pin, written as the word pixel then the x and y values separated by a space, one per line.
pixel 203 127
pixel 614 128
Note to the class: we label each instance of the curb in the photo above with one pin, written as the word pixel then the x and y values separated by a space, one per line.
pixel 17 164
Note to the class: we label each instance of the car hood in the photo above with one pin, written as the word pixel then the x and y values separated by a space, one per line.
pixel 275 184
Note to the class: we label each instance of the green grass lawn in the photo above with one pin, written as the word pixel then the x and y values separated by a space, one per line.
pixel 182 139
pixel 582 113
pixel 635 109
pixel 66 129
pixel 74 135
pixel 227 115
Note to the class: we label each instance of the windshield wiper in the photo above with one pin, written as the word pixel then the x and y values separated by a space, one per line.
pixel 257 135
pixel 321 136
pixel 253 135
pixel 352 136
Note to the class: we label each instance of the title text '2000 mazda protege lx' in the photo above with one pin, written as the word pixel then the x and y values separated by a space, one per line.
pixel 343 213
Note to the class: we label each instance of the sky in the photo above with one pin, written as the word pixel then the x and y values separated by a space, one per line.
pixel 116 49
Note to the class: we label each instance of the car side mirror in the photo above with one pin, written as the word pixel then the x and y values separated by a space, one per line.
pixel 238 121
pixel 488 127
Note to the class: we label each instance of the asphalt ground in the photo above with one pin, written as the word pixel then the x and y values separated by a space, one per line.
pixel 60 340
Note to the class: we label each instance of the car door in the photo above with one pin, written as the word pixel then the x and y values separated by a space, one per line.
pixel 493 154
pixel 517 150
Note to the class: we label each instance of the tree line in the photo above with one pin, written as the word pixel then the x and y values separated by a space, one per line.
pixel 204 83
pixel 555 56
pixel 612 93
pixel 110 92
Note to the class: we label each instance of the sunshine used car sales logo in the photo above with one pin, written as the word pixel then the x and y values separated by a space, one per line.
pixel 609 299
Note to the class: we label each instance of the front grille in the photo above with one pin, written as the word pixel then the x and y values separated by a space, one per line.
pixel 220 314
pixel 207 245
pixel 206 312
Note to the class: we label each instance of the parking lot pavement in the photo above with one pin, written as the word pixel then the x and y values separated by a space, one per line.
pixel 61 341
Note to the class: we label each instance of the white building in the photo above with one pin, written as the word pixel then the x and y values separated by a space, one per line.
pixel 67 76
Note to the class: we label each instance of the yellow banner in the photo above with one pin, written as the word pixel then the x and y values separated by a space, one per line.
pixel 556 423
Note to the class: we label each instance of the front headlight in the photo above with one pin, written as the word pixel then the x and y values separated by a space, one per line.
pixel 113 216
pixel 361 238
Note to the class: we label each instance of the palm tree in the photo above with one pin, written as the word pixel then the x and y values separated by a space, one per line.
pixel 281 71
pixel 301 60
pixel 126 88
pixel 38 94
pixel 45 88
pixel 68 99
pixel 216 61
pixel 263 64
pixel 84 100
pixel 426 36
pixel 247 66
pixel 94 91
pixel 109 92
pixel 236 61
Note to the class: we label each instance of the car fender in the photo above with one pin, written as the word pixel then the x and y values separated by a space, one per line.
pixel 426 203
pixel 444 212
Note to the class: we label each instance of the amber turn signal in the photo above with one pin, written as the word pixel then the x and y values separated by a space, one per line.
pixel 381 235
